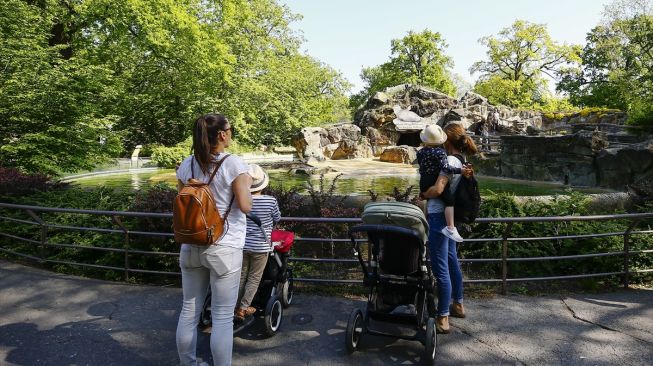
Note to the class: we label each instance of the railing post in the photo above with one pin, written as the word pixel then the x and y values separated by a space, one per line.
pixel 44 232
pixel 116 220
pixel 504 259
pixel 626 278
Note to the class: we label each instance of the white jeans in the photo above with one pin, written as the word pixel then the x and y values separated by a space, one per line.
pixel 220 266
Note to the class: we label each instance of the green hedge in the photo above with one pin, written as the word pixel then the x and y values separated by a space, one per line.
pixel 159 199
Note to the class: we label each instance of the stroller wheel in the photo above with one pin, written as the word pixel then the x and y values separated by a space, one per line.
pixel 354 330
pixel 286 290
pixel 430 343
pixel 205 316
pixel 273 314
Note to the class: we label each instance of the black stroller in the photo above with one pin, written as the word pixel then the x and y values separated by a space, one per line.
pixel 399 279
pixel 275 291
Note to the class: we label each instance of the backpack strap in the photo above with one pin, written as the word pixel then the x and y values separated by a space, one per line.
pixel 217 166
pixel 461 158
pixel 192 167
pixel 226 214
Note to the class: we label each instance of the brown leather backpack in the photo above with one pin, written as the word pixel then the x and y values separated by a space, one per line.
pixel 195 216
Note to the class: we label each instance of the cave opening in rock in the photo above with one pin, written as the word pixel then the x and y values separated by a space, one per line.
pixel 410 139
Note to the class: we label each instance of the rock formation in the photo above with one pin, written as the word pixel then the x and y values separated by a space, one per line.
pixel 591 148
pixel 340 141
pixel 579 159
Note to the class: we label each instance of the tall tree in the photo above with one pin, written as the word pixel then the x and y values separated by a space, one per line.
pixel 51 118
pixel 518 59
pixel 77 76
pixel 275 88
pixel 417 58
pixel 617 62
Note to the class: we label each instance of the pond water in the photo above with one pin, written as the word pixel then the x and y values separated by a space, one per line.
pixel 382 184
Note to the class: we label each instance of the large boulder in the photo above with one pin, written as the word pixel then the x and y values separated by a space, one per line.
pixel 310 143
pixel 343 131
pixel 434 107
pixel 378 141
pixel 399 154
pixel 348 149
pixel 340 141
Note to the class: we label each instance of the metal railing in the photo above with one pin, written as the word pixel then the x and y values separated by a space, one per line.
pixel 506 240
pixel 490 143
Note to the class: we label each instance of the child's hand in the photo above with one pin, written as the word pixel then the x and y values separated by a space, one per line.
pixel 467 171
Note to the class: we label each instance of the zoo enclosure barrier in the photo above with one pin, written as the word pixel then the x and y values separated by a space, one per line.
pixel 506 240
pixel 492 143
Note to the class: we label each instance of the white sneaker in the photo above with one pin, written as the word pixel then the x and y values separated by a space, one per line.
pixel 452 234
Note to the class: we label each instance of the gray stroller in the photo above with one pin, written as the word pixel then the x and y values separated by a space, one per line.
pixel 400 282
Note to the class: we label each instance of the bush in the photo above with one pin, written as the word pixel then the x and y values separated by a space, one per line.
pixel 322 203
pixel 576 204
pixel 169 157
pixel 15 183
pixel 584 112
pixel 641 114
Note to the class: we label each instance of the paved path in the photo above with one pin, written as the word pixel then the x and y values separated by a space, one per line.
pixel 52 319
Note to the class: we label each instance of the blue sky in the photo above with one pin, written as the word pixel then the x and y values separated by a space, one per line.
pixel 352 34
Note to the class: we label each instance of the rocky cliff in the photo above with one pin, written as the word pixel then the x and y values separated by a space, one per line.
pixel 595 149
pixel 581 159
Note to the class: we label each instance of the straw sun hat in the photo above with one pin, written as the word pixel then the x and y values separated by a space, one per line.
pixel 433 135
pixel 260 178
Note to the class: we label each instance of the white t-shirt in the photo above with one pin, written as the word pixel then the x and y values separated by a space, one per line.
pixel 435 205
pixel 231 168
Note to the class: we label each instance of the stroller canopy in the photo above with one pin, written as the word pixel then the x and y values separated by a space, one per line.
pixel 401 214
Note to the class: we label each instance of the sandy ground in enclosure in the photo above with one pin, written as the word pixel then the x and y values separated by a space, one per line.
pixel 368 166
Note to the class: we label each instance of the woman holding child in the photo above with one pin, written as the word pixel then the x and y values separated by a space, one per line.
pixel 442 246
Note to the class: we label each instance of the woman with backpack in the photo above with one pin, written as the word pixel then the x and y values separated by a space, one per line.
pixel 444 256
pixel 217 264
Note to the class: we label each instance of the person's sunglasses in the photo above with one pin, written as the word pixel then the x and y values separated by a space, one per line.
pixel 233 131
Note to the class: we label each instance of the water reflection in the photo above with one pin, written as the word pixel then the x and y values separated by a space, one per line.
pixel 348 185
pixel 136 182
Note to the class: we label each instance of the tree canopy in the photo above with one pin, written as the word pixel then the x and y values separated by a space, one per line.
pixel 82 80
pixel 617 63
pixel 518 61
pixel 417 58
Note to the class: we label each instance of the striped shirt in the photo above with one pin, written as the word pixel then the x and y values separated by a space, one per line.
pixel 265 208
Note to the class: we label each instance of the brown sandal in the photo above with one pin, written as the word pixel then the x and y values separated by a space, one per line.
pixel 240 314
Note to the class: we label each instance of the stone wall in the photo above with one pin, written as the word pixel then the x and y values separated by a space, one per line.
pixel 573 159
pixel 568 159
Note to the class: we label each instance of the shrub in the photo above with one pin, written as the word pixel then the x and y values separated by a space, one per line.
pixel 159 199
pixel 15 183
pixel 321 202
pixel 169 157
pixel 291 203
pixel 576 204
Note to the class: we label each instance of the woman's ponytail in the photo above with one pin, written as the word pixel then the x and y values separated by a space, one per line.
pixel 468 146
pixel 459 139
pixel 205 136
